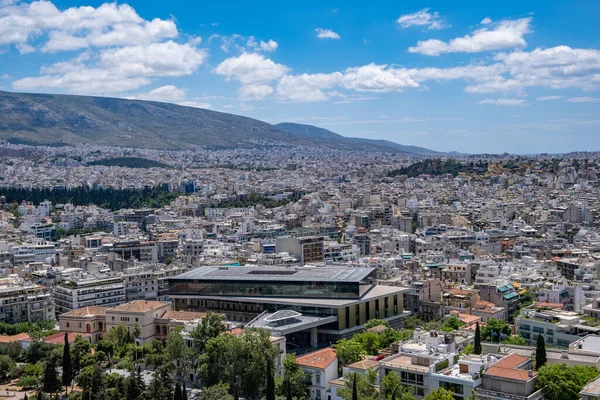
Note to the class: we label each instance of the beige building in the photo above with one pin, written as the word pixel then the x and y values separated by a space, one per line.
pixel 140 312
pixel 87 321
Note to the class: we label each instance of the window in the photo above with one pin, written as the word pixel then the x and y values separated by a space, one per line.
pixel 68 325
pixel 318 378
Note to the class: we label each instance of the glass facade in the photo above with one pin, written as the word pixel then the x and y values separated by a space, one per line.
pixel 302 289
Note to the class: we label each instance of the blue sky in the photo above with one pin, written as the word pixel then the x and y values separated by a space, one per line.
pixel 514 76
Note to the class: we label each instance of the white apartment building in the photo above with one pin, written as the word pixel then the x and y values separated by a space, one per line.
pixel 90 291
pixel 22 302
pixel 33 253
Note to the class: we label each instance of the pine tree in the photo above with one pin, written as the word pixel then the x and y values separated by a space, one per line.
pixel 354 389
pixel 184 393
pixel 477 346
pixel 135 384
pixel 51 383
pixel 67 376
pixel 540 352
pixel 177 395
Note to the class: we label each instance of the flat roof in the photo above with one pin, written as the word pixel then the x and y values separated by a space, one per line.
pixel 283 274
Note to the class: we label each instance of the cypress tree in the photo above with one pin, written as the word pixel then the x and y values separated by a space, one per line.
pixel 354 389
pixel 270 395
pixel 540 352
pixel 67 376
pixel 184 393
pixel 477 349
pixel 177 394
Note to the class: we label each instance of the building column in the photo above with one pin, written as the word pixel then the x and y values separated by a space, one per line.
pixel 313 337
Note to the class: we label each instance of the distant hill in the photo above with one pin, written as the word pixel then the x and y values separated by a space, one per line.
pixel 344 142
pixel 57 120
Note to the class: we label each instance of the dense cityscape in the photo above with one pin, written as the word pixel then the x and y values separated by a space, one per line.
pixel 309 200
pixel 296 272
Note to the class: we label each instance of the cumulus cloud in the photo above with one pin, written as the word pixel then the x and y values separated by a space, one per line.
pixel 117 70
pixel 367 78
pixel 486 21
pixel 255 92
pixel 254 71
pixel 326 34
pixel 75 28
pixel 271 45
pixel 121 51
pixel 505 102
pixel 251 68
pixel 421 18
pixel 243 43
pixel 507 34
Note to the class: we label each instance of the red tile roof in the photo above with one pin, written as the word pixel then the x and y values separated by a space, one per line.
pixel 14 338
pixel 320 359
pixel 59 338
pixel 508 368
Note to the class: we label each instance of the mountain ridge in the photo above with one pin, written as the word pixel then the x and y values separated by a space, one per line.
pixel 55 119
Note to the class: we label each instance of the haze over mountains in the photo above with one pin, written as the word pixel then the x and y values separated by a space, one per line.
pixel 51 119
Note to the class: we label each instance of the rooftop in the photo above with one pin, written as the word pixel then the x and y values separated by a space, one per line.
pixel 508 367
pixel 284 274
pixel 86 312
pixel 140 306
pixel 320 359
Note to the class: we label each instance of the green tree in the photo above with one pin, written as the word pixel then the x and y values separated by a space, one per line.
pixel 451 324
pixel 221 362
pixel 440 394
pixel 270 391
pixel 561 382
pixel 161 387
pixel 92 380
pixel 258 353
pixel 293 382
pixel 135 384
pixel 515 340
pixel 376 322
pixel 369 342
pixel 211 326
pixel 477 345
pixel 540 352
pixel 6 365
pixel 120 335
pixel 80 349
pixel 494 329
pixel 349 351
pixel 28 382
pixel 216 392
pixel 177 352
pixel 50 382
pixel 362 387
pixel 67 372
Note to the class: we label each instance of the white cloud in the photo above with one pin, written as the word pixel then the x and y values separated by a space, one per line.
pixel 367 78
pixel 271 45
pixel 549 98
pixel 505 102
pixel 421 18
pixel 167 93
pixel 117 70
pixel 583 100
pixel 486 21
pixel 243 43
pixel 326 34
pixel 507 34
pixel 251 68
pixel 156 59
pixel 74 28
pixel 255 92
